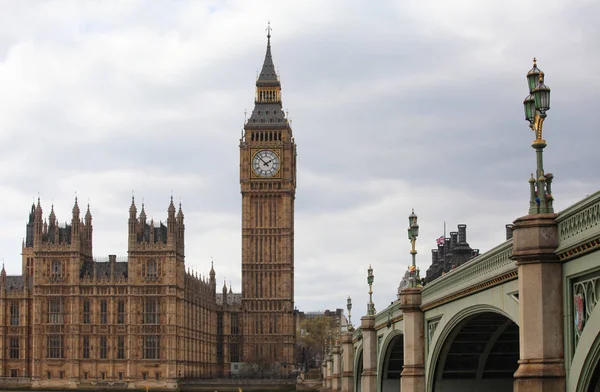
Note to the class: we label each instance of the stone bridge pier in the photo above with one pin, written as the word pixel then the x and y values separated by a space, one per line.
pixel 541 364
pixel 336 378
pixel 413 373
pixel 369 373
pixel 347 362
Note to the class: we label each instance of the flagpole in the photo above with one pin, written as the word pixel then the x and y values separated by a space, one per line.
pixel 444 244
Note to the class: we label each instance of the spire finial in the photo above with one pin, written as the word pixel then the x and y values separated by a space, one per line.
pixel 268 30
pixel 534 62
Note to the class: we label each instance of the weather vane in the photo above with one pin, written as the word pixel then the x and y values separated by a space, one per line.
pixel 268 29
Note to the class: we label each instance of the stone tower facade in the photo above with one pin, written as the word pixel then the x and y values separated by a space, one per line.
pixel 268 187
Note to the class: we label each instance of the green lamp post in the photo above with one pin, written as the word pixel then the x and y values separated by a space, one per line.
pixel 413 233
pixel 349 307
pixel 536 104
pixel 370 279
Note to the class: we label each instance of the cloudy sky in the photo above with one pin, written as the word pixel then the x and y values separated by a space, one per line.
pixel 395 105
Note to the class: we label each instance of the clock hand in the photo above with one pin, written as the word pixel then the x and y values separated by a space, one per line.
pixel 259 157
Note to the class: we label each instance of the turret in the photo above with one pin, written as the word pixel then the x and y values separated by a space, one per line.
pixel 88 216
pixel 37 224
pixel 171 224
pixel 213 279
pixel 3 276
pixel 224 293
pixel 180 231
pixel 143 217
pixel 53 235
pixel 88 230
pixel 132 223
pixel 30 229
pixel 52 217
pixel 75 227
pixel 75 219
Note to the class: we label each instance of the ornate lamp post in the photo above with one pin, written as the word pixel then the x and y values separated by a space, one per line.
pixel 349 307
pixel 536 104
pixel 413 233
pixel 370 278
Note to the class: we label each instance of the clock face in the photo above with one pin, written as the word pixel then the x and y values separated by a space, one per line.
pixel 265 163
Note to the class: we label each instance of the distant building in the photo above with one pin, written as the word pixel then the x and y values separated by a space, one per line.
pixel 450 253
pixel 339 321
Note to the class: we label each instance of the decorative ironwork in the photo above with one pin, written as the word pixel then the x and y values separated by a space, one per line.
pixel 585 297
pixel 579 222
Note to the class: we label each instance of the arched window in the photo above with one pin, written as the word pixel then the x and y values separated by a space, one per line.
pixel 56 269
pixel 151 311
pixel 103 311
pixel 151 272
pixel 86 311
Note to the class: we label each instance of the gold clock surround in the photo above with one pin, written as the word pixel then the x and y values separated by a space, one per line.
pixel 277 174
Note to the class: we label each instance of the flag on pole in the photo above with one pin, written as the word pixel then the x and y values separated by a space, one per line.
pixel 440 241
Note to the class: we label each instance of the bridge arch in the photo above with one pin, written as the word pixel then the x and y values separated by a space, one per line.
pixel 584 375
pixel 390 362
pixel 477 349
pixel 358 368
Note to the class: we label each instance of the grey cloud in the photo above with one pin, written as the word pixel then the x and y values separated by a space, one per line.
pixel 394 106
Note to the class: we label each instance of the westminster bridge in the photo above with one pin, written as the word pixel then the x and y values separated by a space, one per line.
pixel 522 315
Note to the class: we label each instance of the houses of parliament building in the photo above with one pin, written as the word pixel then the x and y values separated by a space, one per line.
pixel 71 320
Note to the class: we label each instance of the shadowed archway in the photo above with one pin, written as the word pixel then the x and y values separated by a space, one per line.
pixel 481 354
pixel 595 381
pixel 393 363
pixel 358 369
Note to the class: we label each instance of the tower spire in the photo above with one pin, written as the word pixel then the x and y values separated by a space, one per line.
pixel 268 112
pixel 268 75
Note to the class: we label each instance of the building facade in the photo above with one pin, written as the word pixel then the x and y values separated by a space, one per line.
pixel 72 320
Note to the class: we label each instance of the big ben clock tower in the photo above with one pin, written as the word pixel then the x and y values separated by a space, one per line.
pixel 268 186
